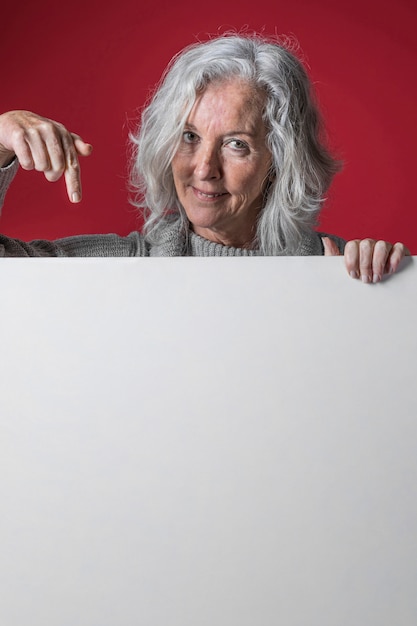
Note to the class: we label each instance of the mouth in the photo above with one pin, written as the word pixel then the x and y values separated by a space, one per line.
pixel 207 195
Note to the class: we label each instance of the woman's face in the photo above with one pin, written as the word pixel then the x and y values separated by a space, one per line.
pixel 221 166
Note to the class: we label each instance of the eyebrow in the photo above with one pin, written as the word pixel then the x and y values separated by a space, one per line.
pixel 229 133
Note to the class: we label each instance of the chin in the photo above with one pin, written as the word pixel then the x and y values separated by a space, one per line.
pixel 201 218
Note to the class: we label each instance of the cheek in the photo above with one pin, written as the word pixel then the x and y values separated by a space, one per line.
pixel 178 166
pixel 240 176
pixel 251 185
pixel 250 176
pixel 262 178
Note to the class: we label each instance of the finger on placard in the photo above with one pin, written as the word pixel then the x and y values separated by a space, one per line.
pixel 352 257
pixel 398 252
pixel 366 251
pixel 330 247
pixel 380 256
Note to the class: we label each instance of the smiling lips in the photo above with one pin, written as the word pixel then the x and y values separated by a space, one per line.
pixel 207 196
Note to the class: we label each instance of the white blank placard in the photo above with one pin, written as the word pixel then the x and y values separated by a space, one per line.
pixel 207 442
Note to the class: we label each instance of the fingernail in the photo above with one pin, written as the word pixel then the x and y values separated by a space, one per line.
pixel 354 274
pixel 76 196
pixel 365 278
pixel 376 278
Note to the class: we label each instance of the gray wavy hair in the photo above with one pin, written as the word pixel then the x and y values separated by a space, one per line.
pixel 303 168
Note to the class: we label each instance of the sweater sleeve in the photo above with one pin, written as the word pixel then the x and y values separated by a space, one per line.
pixel 6 176
pixel 110 245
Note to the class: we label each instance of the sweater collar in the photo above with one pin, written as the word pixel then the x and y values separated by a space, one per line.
pixel 173 241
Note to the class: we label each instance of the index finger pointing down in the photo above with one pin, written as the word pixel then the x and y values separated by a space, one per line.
pixel 72 171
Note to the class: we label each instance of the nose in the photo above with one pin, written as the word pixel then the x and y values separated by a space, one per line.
pixel 208 163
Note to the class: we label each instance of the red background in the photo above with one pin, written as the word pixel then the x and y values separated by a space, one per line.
pixel 91 64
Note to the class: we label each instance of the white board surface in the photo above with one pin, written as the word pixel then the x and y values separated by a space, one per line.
pixel 207 442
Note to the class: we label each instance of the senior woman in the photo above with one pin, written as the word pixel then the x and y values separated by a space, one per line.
pixel 228 161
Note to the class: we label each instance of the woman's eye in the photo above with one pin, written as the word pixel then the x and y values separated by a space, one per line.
pixel 189 137
pixel 238 144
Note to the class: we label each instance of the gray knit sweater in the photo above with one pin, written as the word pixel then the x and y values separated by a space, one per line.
pixel 173 241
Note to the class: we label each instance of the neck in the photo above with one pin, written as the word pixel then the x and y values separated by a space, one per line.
pixel 245 242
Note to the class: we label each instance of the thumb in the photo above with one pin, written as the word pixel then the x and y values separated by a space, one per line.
pixel 84 149
pixel 330 248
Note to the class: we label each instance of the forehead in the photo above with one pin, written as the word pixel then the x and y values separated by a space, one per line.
pixel 228 101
